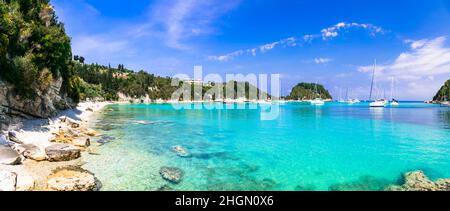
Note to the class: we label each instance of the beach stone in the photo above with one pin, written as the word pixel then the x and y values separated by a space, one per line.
pixel 181 151
pixel 13 137
pixel 8 156
pixel 72 178
pixel 62 137
pixel 82 142
pixel 33 152
pixel 62 152
pixel 8 181
pixel 89 132
pixel 25 183
pixel 171 174
pixel 69 121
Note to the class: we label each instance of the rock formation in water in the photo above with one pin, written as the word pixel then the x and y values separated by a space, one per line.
pixel 443 95
pixel 308 91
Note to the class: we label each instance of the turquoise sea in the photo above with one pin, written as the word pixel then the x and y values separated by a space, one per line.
pixel 334 147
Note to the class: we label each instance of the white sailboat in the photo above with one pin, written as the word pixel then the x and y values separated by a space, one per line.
pixel 393 102
pixel 317 101
pixel 380 103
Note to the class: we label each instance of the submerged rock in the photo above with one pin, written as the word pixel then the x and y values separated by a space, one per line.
pixel 62 152
pixel 364 183
pixel 72 178
pixel 418 181
pixel 8 181
pixel 181 151
pixel 8 156
pixel 165 188
pixel 105 139
pixel 172 174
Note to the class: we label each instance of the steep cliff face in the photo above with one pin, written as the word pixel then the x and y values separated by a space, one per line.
pixel 444 93
pixel 42 105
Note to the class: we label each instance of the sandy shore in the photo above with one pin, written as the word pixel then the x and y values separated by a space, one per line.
pixel 39 132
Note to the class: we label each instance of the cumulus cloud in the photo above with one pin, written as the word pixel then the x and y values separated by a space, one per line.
pixel 326 34
pixel 425 58
pixel 420 71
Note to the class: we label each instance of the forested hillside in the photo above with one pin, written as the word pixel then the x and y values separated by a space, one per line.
pixel 307 91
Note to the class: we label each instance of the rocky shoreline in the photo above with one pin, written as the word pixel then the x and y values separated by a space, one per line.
pixel 47 154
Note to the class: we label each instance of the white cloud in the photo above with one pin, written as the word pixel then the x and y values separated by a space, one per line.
pixel 181 19
pixel 422 69
pixel 322 60
pixel 326 34
pixel 424 59
pixel 334 31
pixel 99 47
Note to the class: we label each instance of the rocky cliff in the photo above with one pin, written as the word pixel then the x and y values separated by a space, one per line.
pixel 42 105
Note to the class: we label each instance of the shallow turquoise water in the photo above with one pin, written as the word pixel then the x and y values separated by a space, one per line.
pixel 335 147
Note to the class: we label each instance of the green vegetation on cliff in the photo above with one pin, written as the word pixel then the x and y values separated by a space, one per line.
pixel 102 82
pixel 34 48
pixel 444 93
pixel 35 52
pixel 307 91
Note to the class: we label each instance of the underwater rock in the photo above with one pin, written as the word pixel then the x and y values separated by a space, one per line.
pixel 145 122
pixel 364 183
pixel 165 188
pixel 418 181
pixel 207 156
pixel 181 151
pixel 172 174
pixel 8 156
pixel 307 187
pixel 62 152
pixel 105 139
pixel 72 178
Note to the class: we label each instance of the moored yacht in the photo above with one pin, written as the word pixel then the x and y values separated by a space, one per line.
pixel 379 103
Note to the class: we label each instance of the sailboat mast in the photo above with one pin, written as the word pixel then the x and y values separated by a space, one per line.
pixel 392 88
pixel 373 80
pixel 346 95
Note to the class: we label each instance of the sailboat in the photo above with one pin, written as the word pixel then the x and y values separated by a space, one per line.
pixel 317 101
pixel 393 102
pixel 380 103
pixel 350 101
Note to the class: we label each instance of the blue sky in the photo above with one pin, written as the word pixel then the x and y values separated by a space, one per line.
pixel 332 42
